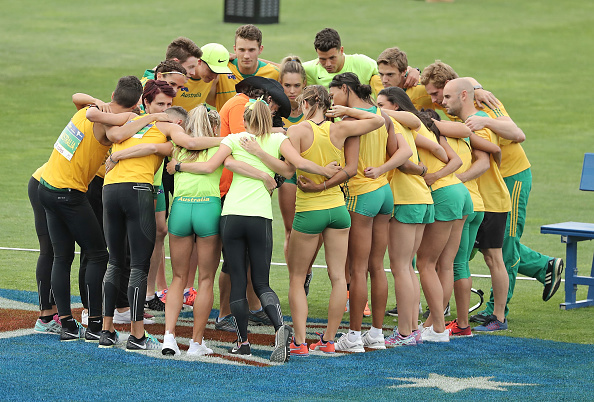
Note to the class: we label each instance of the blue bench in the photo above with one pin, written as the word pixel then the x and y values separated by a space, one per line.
pixel 571 234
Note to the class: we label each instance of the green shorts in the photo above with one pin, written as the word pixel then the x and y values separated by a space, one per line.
pixel 414 213
pixel 376 202
pixel 159 195
pixel 314 222
pixel 195 215
pixel 451 202
pixel 292 180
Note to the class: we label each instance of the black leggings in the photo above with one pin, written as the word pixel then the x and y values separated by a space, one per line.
pixel 70 219
pixel 95 197
pixel 251 234
pixel 43 273
pixel 128 209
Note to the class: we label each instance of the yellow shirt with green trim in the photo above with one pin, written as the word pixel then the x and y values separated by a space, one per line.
pixel 192 94
pixel 433 164
pixel 291 121
pixel 419 97
pixel 137 170
pixel 408 188
pixel 372 153
pixel 362 66
pixel 226 83
pixel 491 185
pixel 77 155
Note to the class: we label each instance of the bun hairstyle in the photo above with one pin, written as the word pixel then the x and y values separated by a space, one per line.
pixel 352 82
pixel 292 64
pixel 400 98
pixel 317 97
pixel 201 122
pixel 257 117
pixel 152 88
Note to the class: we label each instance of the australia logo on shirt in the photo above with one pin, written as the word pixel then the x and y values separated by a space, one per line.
pixel 183 89
pixel 231 76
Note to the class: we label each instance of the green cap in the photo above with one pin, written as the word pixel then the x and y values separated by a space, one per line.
pixel 216 56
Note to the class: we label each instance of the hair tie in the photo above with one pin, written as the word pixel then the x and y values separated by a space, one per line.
pixel 252 102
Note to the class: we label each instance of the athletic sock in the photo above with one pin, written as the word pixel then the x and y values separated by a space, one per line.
pixel 69 323
pixel 46 318
pixel 95 324
pixel 257 311
pixel 353 335
pixel 150 297
pixel 375 332
pixel 348 287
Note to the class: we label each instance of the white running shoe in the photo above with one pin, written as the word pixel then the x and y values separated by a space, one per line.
pixel 197 349
pixel 169 347
pixel 429 335
pixel 124 318
pixel 84 317
pixel 344 345
pixel 373 343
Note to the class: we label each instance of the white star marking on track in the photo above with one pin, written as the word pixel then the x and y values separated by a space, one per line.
pixel 454 384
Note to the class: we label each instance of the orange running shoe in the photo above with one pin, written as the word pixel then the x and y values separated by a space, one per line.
pixel 300 351
pixel 190 296
pixel 455 330
pixel 324 346
pixel 451 324
pixel 367 311
pixel 346 308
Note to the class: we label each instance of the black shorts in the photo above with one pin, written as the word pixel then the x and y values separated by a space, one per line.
pixel 491 231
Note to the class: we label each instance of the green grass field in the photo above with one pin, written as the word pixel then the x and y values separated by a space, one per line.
pixel 532 55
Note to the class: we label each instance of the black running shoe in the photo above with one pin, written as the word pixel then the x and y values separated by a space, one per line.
pixel 259 318
pixel 67 335
pixel 307 282
pixel 552 278
pixel 155 304
pixel 393 312
pixel 480 318
pixel 282 343
pixel 109 339
pixel 243 350
pixel 91 336
pixel 147 342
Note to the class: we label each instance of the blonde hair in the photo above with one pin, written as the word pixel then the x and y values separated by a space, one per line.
pixel 257 117
pixel 437 74
pixel 200 123
pixel 292 64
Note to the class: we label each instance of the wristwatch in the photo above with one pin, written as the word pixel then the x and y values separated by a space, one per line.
pixel 479 86
pixel 178 166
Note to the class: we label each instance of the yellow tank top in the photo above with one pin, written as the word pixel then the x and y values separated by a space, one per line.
pixel 372 153
pixel 77 155
pixel 322 152
pixel 433 164
pixel 409 188
pixel 137 170
pixel 464 151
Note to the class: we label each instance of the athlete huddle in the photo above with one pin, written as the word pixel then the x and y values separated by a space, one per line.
pixel 367 166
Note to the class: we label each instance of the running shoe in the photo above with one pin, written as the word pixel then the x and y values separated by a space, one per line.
pixel 53 327
pixel 307 282
pixel 109 339
pixel 190 296
pixel 67 335
pixel 429 335
pixel 155 304
pixel 91 336
pixel 552 278
pixel 169 347
pixel 347 307
pixel 227 323
pixel 418 337
pixel 324 346
pixel 398 340
pixel 343 344
pixel 456 331
pixel 480 318
pixel 367 310
pixel 373 343
pixel 300 351
pixel 446 312
pixel 282 345
pixel 258 318
pixel 124 318
pixel 243 350
pixel 493 324
pixel 147 342
pixel 197 349
pixel 393 312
